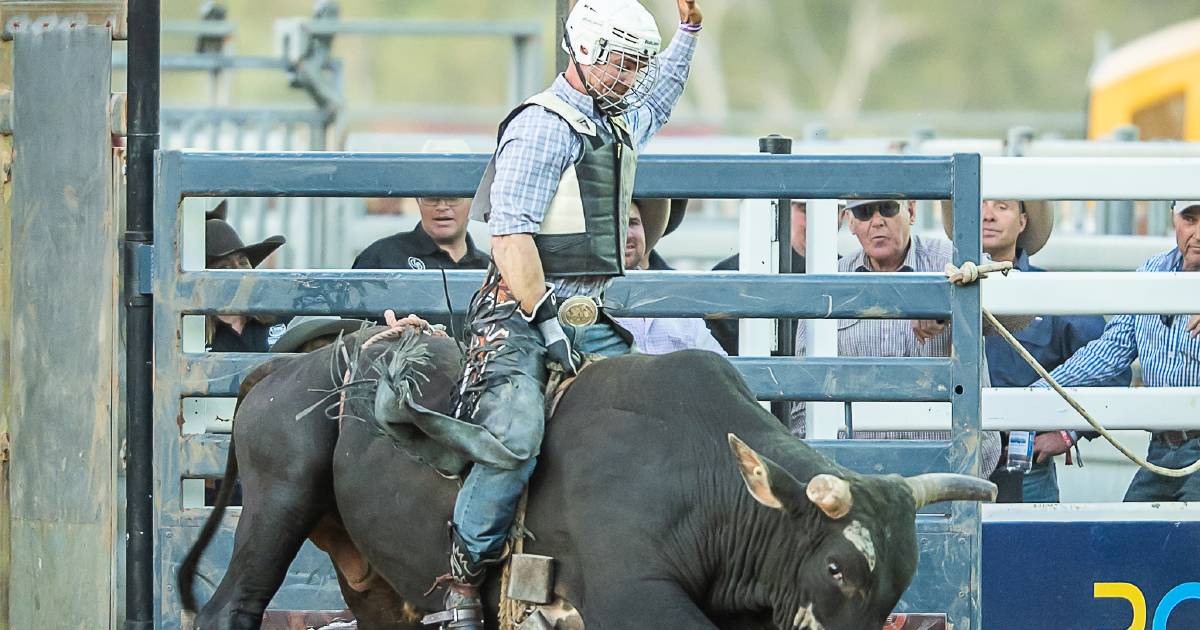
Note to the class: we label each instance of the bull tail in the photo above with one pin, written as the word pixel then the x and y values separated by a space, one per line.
pixel 187 569
pixel 186 576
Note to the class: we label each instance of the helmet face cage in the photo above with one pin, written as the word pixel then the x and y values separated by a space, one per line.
pixel 620 80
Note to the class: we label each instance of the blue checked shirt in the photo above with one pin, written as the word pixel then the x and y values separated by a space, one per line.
pixel 538 146
pixel 1170 356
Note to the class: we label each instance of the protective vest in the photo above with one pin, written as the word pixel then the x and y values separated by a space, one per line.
pixel 583 230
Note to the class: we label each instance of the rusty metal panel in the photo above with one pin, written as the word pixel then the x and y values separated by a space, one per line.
pixel 34 14
pixel 311 582
pixel 63 290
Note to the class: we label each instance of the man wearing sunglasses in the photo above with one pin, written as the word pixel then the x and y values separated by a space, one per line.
pixel 1168 347
pixel 884 229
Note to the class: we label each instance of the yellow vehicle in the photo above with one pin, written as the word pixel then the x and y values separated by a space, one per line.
pixel 1152 82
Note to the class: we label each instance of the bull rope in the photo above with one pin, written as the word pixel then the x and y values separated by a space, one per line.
pixel 396 329
pixel 970 272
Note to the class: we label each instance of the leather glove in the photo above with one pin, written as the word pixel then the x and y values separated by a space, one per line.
pixel 558 345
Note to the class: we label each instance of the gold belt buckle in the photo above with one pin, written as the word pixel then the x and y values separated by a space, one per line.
pixel 578 310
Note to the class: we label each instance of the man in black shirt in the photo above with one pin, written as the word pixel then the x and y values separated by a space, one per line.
pixel 726 330
pixel 439 241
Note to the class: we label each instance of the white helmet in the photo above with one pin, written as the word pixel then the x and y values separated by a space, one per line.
pixel 598 28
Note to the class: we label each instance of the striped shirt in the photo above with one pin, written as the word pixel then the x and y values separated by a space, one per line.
pixel 895 338
pixel 538 146
pixel 1169 355
pixel 660 335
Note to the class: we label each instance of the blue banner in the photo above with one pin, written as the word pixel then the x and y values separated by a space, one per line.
pixel 1092 575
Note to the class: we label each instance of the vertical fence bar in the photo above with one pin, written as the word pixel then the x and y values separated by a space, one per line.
pixel 143 138
pixel 561 9
pixel 785 341
pixel 966 409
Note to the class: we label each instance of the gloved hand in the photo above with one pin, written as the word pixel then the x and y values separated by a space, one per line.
pixel 558 345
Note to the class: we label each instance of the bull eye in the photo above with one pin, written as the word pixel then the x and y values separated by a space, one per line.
pixel 835 571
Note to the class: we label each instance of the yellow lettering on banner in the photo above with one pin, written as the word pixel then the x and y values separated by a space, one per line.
pixel 1127 592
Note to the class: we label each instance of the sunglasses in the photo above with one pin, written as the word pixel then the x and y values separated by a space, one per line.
pixel 453 202
pixel 886 209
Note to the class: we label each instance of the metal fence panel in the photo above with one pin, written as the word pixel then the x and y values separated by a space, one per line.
pixel 949 580
pixel 61 347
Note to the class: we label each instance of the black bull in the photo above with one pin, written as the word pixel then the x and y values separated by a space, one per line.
pixel 637 495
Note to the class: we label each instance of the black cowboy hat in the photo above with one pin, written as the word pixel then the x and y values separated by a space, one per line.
pixel 221 211
pixel 221 240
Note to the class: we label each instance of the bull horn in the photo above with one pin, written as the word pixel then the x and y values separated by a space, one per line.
pixel 831 494
pixel 934 487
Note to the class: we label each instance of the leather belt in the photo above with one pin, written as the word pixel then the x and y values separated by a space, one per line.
pixel 579 310
pixel 1176 439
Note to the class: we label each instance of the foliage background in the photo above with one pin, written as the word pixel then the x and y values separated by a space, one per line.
pixel 881 65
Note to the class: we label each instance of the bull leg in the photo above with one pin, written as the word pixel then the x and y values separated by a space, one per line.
pixel 272 527
pixel 331 537
pixel 379 607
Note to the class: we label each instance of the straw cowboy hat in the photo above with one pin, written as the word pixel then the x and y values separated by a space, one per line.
pixel 1038 225
pixel 305 328
pixel 221 240
pixel 660 217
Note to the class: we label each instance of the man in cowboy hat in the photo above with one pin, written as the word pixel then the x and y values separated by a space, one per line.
pixel 555 196
pixel 438 241
pixel 224 249
pixel 649 221
pixel 884 229
pixel 726 330
pixel 1168 347
pixel 650 209
pixel 1013 231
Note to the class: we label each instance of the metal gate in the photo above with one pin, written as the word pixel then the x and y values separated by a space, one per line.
pixel 949 540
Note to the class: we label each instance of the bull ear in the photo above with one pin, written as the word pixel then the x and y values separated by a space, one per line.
pixel 769 484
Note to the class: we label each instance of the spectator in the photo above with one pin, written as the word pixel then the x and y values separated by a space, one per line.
pixel 649 221
pixel 678 209
pixel 1013 231
pixel 884 229
pixel 726 330
pixel 438 241
pixel 224 249
pixel 1169 349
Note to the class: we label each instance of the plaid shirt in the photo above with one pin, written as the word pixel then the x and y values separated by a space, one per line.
pixel 660 335
pixel 1170 356
pixel 538 146
pixel 895 338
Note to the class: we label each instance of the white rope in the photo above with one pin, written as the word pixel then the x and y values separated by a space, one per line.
pixel 969 273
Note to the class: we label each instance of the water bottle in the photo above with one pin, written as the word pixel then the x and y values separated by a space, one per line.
pixel 1020 451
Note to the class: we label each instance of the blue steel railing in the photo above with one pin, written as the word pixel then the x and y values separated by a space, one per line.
pixel 949 542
